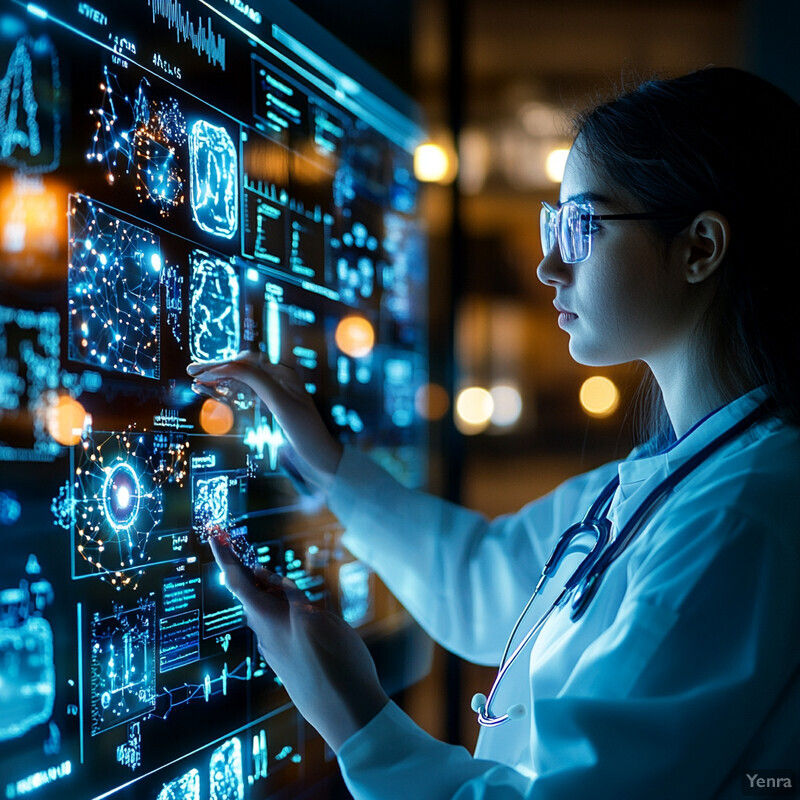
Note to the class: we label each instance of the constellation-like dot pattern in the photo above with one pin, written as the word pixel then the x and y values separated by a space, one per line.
pixel 114 272
pixel 116 503
pixel 139 137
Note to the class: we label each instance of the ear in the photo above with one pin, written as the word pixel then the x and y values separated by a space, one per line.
pixel 708 239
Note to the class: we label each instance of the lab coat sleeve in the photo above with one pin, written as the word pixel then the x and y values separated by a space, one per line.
pixel 660 705
pixel 465 579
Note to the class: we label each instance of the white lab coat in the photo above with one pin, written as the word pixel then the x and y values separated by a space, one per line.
pixel 680 677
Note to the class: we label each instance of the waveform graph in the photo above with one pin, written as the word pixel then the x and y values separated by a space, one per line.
pixel 213 179
pixel 265 441
pixel 214 317
pixel 123 684
pixel 116 502
pixel 199 35
pixel 113 284
pixel 30 89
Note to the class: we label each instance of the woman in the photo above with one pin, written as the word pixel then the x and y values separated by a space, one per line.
pixel 671 245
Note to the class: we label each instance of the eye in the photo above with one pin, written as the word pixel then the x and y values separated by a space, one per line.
pixel 588 225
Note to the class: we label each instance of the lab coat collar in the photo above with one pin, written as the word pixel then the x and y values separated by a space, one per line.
pixel 638 474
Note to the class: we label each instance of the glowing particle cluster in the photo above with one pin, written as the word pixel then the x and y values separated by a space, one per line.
pixel 116 503
pixel 140 137
pixel 214 330
pixel 211 502
pixel 356 263
pixel 114 310
pixel 213 172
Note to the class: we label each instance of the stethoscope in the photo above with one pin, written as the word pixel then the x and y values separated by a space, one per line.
pixel 582 585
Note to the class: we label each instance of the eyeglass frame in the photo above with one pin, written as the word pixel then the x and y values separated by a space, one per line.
pixel 589 217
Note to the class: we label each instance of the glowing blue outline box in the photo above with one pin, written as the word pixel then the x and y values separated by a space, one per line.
pixel 214 179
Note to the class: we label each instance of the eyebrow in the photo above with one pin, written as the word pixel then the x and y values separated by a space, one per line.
pixel 583 197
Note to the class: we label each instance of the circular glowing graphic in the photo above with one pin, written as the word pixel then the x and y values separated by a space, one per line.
pixel 121 493
pixel 115 500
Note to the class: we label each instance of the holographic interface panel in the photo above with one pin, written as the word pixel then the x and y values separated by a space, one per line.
pixel 184 180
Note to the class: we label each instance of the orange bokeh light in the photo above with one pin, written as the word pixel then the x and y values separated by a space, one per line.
pixel 355 336
pixel 216 418
pixel 65 420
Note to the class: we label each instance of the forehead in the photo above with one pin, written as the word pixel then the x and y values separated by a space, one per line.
pixel 582 182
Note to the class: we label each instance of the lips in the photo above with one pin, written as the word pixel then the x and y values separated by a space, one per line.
pixel 562 310
pixel 564 316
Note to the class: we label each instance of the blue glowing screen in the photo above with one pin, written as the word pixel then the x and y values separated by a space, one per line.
pixel 183 180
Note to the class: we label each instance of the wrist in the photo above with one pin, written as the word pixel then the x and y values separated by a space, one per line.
pixel 356 715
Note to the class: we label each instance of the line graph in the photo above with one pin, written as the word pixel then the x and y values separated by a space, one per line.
pixel 199 34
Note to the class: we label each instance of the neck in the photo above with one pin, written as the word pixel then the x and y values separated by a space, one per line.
pixel 688 390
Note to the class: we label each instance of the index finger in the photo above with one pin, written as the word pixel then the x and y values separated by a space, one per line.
pixel 238 578
pixel 243 357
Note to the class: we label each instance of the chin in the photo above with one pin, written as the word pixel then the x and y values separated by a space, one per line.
pixel 592 357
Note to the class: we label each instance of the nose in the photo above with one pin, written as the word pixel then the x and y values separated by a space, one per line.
pixel 552 271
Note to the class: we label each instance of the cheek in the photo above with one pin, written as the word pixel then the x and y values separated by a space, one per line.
pixel 623 313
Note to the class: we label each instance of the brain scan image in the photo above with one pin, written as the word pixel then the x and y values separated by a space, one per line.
pixel 214 309
pixel 213 165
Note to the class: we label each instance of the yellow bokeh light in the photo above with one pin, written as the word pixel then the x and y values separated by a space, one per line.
pixel 355 337
pixel 65 421
pixel 599 396
pixel 216 418
pixel 555 163
pixel 431 163
pixel 474 409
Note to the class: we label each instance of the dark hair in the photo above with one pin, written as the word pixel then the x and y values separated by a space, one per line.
pixel 725 140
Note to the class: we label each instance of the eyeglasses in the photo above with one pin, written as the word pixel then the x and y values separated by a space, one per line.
pixel 572 226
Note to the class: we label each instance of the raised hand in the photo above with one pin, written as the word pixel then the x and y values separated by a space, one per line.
pixel 323 663
pixel 281 389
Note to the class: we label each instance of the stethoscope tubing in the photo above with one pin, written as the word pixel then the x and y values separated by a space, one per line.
pixel 587 584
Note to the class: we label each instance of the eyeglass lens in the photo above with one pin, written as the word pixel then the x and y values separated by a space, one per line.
pixel 568 227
